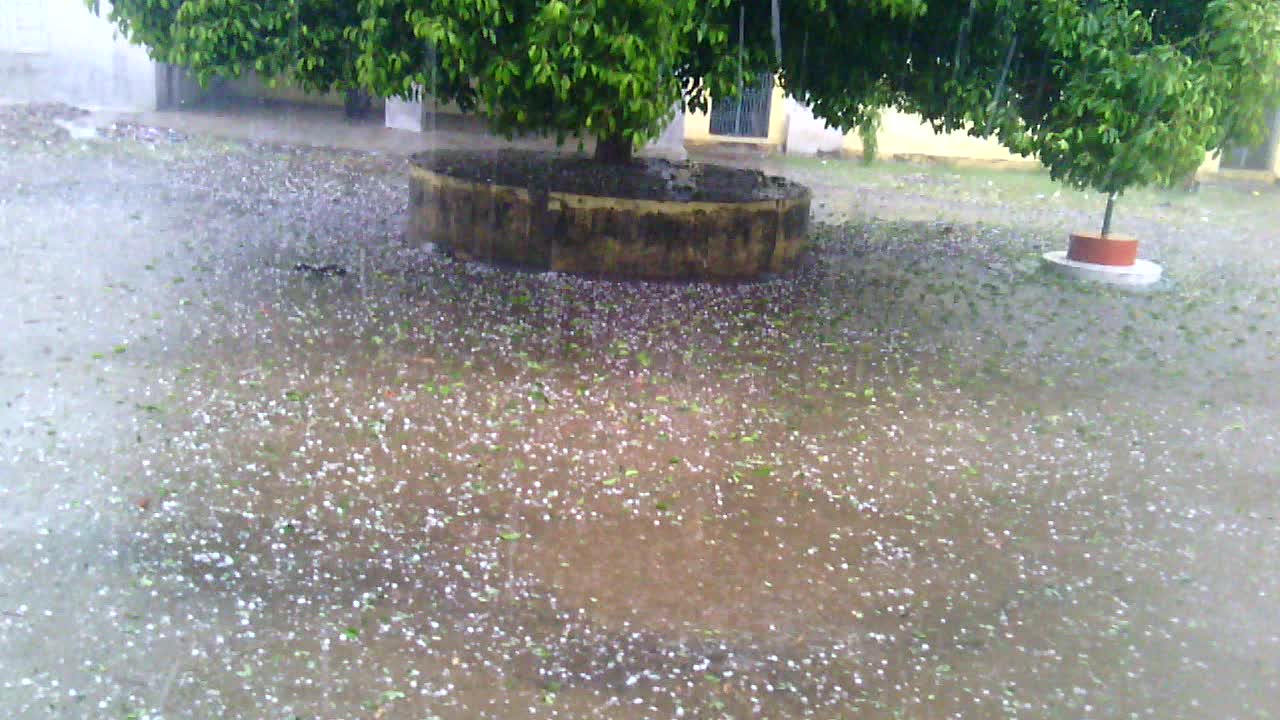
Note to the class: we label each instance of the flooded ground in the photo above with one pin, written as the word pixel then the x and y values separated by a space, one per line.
pixel 916 478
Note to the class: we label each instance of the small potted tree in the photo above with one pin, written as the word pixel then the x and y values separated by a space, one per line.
pixel 1134 107
pixel 1104 247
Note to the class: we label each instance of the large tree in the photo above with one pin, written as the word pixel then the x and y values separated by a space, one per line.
pixel 611 68
pixel 311 42
pixel 1107 93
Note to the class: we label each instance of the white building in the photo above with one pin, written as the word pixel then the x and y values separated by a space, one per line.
pixel 59 50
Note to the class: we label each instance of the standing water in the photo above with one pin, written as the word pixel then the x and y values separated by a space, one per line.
pixel 914 478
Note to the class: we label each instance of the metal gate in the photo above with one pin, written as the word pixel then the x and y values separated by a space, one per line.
pixel 1259 157
pixel 746 115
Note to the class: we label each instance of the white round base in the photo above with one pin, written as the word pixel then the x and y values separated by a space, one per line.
pixel 1142 272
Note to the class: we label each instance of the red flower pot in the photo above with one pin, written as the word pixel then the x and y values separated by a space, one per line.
pixel 1119 250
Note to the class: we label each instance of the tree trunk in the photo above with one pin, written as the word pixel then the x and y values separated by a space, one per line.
pixel 614 149
pixel 357 103
pixel 1106 218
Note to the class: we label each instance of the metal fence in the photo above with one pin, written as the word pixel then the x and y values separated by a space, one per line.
pixel 746 115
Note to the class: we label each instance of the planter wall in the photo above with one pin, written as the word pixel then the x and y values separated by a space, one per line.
pixel 1115 250
pixel 606 236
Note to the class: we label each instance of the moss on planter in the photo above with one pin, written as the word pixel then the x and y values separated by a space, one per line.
pixel 541 227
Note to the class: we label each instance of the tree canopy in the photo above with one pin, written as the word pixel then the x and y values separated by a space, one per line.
pixel 1109 94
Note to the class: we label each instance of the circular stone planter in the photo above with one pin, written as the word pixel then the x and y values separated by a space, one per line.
pixel 1093 248
pixel 650 219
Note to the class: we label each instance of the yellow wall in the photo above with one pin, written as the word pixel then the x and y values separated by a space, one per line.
pixel 1212 162
pixel 909 137
pixel 1212 165
pixel 901 135
pixel 447 107
pixel 697 126
pixel 1275 157
pixel 251 85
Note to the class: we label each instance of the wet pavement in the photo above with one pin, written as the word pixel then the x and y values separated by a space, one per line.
pixel 916 478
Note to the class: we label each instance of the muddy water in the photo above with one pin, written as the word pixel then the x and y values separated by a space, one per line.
pixel 917 478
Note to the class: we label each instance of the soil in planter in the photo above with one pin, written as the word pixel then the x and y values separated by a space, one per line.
pixel 642 179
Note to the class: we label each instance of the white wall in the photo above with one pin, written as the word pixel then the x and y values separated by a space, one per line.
pixel 670 144
pixel 59 50
pixel 807 135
